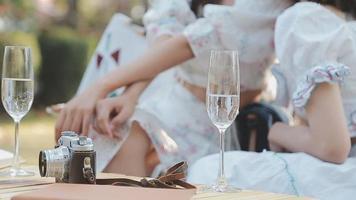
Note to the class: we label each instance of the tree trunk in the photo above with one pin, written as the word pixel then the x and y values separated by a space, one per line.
pixel 71 18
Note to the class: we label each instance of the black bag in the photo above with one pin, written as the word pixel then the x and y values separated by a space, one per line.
pixel 255 120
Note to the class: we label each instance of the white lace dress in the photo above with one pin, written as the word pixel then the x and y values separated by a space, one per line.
pixel 313 45
pixel 175 120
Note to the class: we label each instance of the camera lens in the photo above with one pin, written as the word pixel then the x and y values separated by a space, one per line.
pixel 42 163
pixel 54 162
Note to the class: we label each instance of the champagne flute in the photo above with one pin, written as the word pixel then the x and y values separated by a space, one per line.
pixel 17 96
pixel 223 101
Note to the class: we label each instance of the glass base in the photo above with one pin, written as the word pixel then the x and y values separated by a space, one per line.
pixel 216 188
pixel 16 172
pixel 220 186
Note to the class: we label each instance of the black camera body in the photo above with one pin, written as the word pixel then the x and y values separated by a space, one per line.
pixel 73 160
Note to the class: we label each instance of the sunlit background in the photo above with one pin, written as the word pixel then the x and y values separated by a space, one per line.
pixel 63 35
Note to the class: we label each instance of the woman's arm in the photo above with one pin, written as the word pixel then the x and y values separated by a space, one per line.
pixel 160 57
pixel 326 136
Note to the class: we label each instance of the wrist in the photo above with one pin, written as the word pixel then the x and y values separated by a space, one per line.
pixel 135 90
pixel 132 94
pixel 102 87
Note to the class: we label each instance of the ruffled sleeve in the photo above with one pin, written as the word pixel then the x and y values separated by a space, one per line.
pixel 167 17
pixel 248 27
pixel 310 42
pixel 331 72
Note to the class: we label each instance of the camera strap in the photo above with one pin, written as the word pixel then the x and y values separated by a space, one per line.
pixel 172 179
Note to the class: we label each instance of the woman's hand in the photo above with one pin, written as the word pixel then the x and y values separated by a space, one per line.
pixel 78 112
pixel 111 113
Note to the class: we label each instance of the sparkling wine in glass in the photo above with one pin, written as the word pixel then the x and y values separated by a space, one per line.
pixel 17 96
pixel 223 101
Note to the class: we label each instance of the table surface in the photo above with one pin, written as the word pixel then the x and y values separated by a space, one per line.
pixel 15 186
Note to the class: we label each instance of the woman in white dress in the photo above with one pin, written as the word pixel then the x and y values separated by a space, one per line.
pixel 174 119
pixel 316 47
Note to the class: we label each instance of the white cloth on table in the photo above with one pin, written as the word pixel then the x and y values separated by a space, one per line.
pixel 6 158
pixel 293 173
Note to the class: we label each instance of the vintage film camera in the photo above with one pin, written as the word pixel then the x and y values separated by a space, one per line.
pixel 73 160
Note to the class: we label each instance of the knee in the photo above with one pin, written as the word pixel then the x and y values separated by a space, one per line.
pixel 137 140
pixel 151 160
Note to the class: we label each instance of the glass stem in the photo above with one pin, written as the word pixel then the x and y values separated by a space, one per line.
pixel 15 163
pixel 221 177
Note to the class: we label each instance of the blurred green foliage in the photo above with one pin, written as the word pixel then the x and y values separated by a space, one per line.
pixel 22 39
pixel 64 57
pixel 18 15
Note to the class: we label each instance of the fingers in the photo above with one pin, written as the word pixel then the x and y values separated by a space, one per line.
pixel 59 124
pixel 121 118
pixel 68 120
pixel 86 124
pixel 103 111
pixel 76 122
pixel 77 114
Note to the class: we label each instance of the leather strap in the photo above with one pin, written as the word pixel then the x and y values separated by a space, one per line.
pixel 353 141
pixel 172 179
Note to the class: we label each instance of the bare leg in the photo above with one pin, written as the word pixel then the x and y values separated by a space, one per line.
pixel 130 160
pixel 152 160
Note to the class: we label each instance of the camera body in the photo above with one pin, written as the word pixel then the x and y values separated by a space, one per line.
pixel 73 160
